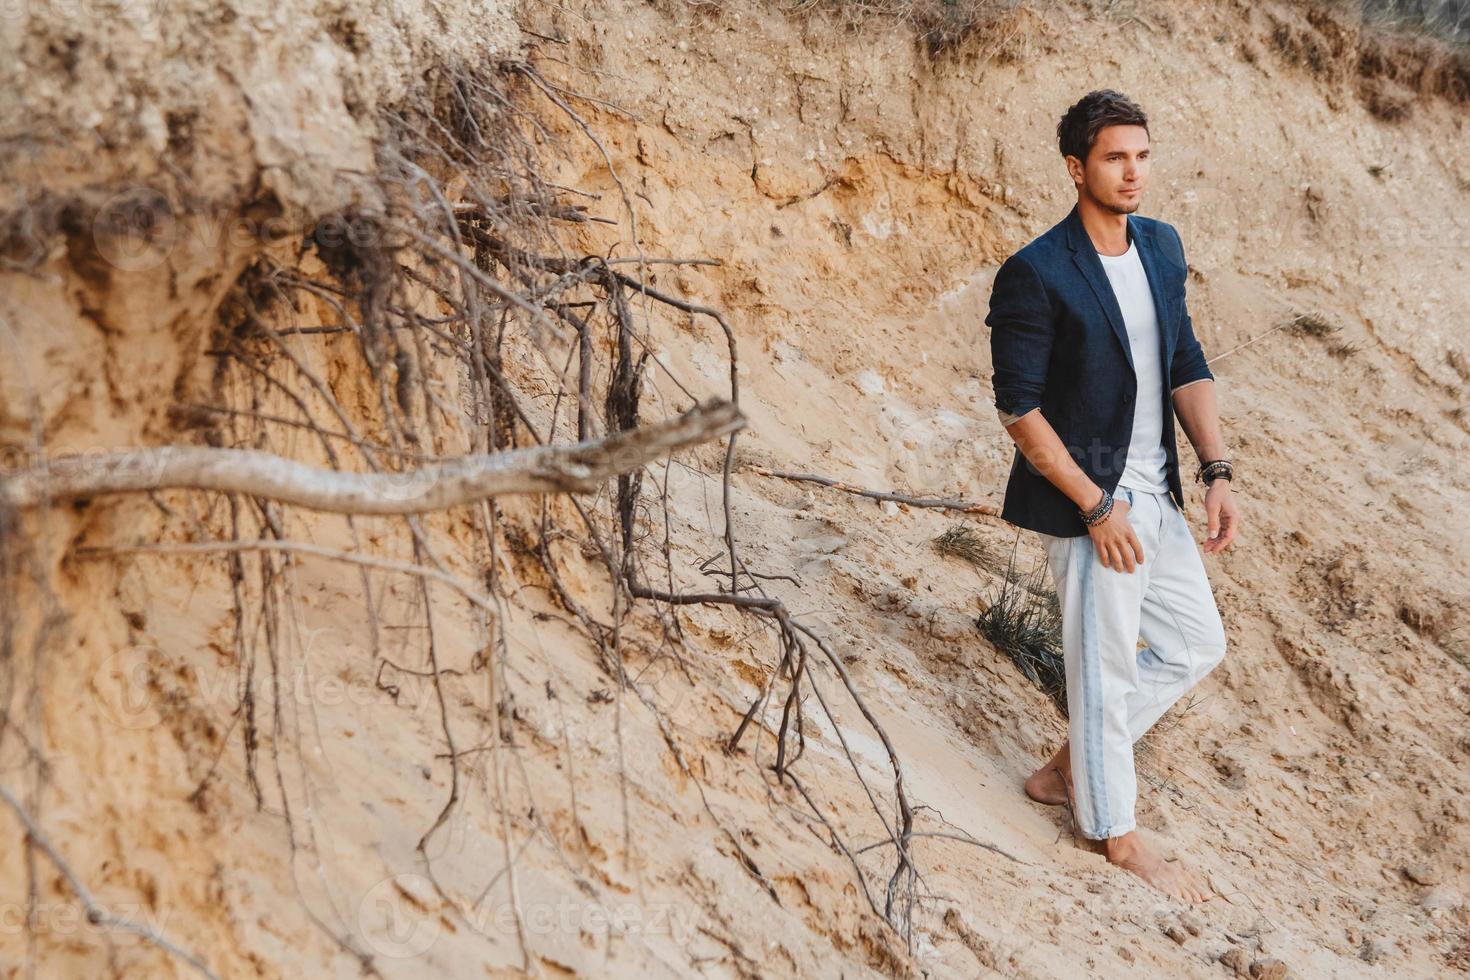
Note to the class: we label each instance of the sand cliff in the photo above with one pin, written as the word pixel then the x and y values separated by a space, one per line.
pixel 858 187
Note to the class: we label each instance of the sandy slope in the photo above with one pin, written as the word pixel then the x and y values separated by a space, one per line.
pixel 860 196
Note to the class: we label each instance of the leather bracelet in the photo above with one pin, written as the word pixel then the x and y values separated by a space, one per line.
pixel 1214 469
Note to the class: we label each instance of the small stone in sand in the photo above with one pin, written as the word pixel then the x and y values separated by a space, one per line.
pixel 1422 874
pixel 1268 970
pixel 1235 959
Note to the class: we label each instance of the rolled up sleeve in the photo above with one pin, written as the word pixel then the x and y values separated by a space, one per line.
pixel 1189 359
pixel 1021 334
pixel 1188 365
pixel 1006 418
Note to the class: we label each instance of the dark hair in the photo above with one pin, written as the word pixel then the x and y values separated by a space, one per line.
pixel 1102 107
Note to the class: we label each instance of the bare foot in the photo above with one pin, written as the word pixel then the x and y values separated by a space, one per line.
pixel 1052 783
pixel 1131 853
pixel 1048 785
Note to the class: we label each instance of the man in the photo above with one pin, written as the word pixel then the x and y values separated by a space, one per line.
pixel 1094 353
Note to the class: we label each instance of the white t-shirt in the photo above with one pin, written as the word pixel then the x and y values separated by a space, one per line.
pixel 1146 467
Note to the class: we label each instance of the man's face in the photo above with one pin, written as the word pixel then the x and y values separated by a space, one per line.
pixel 1116 171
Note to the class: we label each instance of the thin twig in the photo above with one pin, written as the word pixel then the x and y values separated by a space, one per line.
pixel 963 506
pixel 96 914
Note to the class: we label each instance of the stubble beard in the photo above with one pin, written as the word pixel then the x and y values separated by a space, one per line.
pixel 1123 207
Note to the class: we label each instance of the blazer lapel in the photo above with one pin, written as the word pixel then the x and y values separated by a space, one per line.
pixel 1084 255
pixel 1154 270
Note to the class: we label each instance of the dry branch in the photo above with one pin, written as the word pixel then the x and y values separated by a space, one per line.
pixel 97 914
pixel 940 503
pixel 579 467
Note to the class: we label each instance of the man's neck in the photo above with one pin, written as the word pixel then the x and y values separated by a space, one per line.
pixel 1109 231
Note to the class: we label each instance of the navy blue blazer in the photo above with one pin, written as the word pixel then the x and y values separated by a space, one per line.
pixel 1058 343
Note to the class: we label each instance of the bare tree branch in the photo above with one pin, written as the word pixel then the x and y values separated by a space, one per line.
pixel 580 467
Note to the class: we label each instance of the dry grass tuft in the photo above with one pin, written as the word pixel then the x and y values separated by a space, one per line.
pixel 945 25
pixel 1312 325
pixel 1388 63
pixel 1028 630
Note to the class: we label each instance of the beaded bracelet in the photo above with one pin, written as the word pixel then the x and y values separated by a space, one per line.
pixel 1213 470
pixel 1099 512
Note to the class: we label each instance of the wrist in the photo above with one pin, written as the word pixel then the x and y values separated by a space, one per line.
pixel 1211 470
pixel 1099 511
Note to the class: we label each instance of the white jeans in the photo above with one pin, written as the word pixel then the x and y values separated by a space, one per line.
pixel 1115 692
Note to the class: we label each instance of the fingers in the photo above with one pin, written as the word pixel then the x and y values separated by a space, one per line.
pixel 1125 555
pixel 1232 526
pixel 1227 528
pixel 1118 554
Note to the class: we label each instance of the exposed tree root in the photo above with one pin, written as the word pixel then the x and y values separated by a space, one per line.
pixel 463 275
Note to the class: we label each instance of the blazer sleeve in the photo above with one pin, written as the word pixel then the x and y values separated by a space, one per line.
pixel 1021 335
pixel 1188 365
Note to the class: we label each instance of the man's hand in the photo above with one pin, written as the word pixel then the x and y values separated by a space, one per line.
pixel 1116 544
pixel 1223 516
pixel 1194 404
